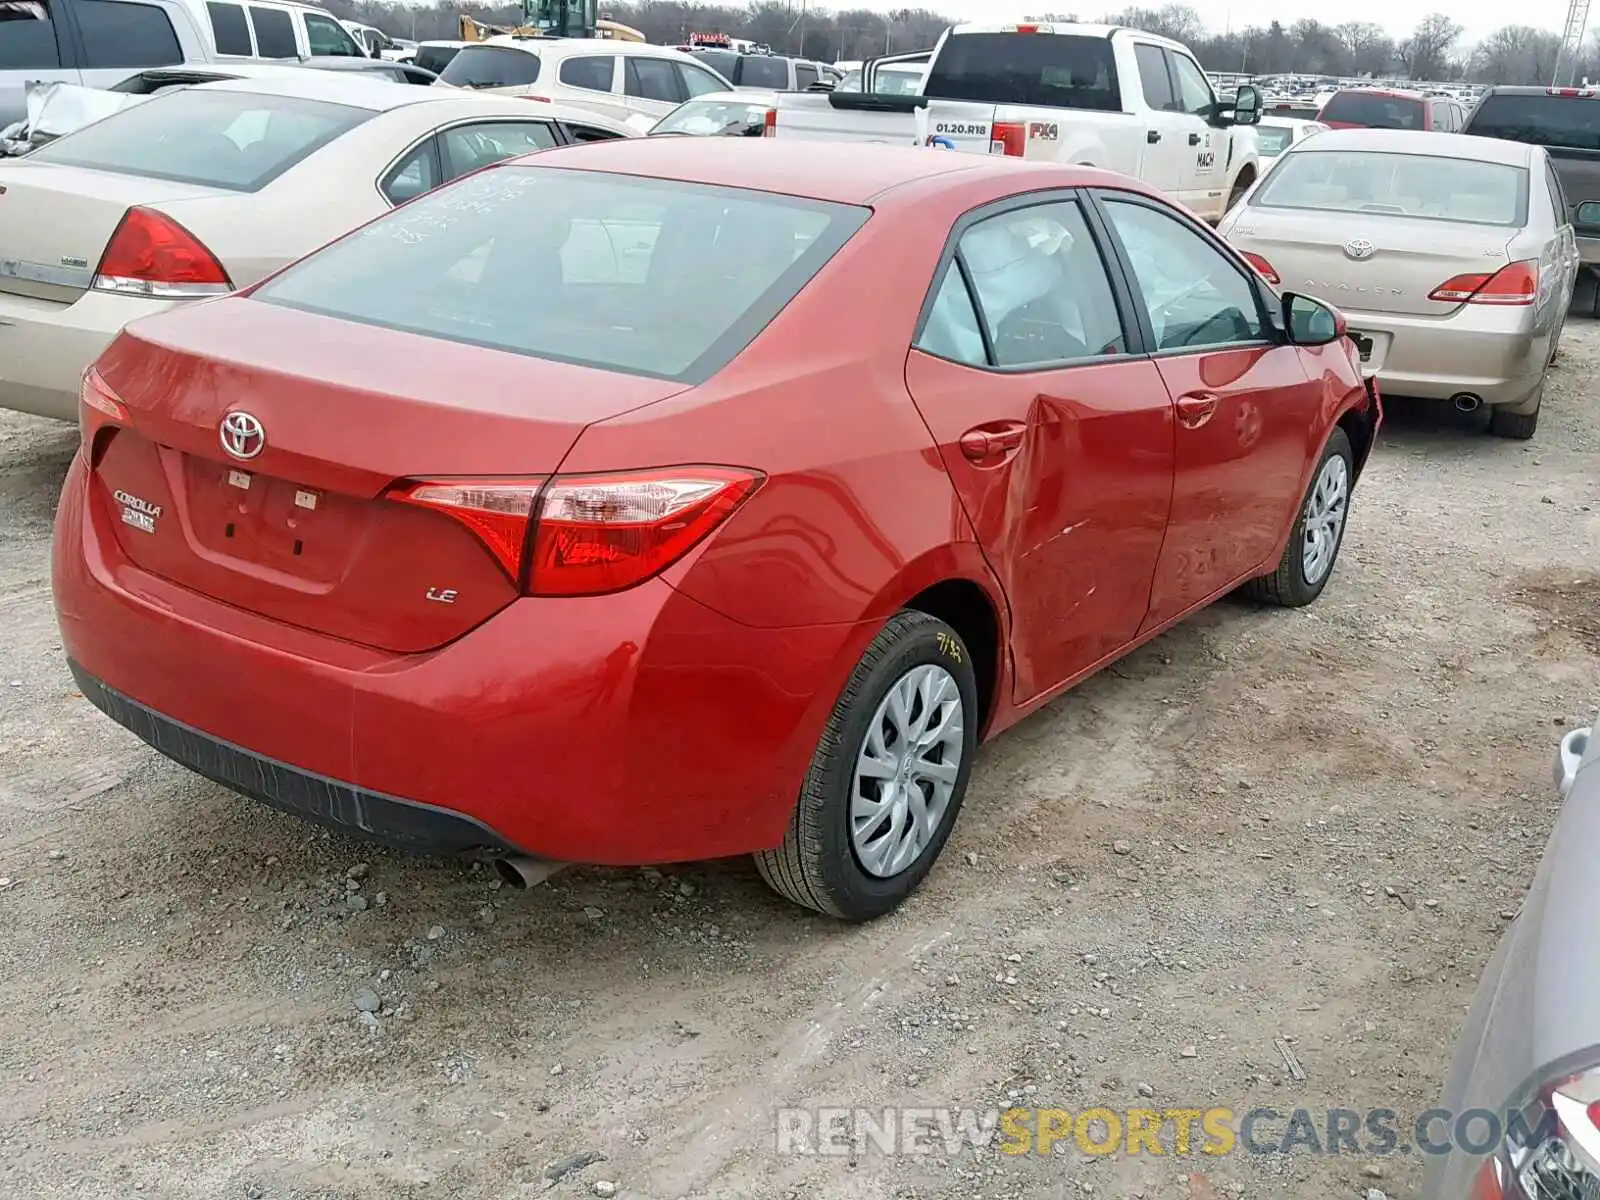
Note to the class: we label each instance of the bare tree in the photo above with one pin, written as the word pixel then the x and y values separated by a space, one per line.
pixel 1517 54
pixel 1426 53
pixel 1369 48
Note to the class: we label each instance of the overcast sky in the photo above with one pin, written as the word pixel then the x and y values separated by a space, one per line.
pixel 1398 16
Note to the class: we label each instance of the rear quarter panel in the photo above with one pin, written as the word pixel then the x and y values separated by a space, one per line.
pixel 1539 999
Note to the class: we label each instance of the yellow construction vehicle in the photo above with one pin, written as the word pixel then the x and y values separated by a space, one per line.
pixel 554 18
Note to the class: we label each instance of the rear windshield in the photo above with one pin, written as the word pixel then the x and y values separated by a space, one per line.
pixel 1571 121
pixel 645 276
pixel 1273 139
pixel 1374 111
pixel 711 118
pixel 1042 69
pixel 1403 185
pixel 491 67
pixel 757 70
pixel 435 58
pixel 238 141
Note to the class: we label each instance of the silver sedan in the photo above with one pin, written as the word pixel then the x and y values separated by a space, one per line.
pixel 1523 1095
pixel 1453 258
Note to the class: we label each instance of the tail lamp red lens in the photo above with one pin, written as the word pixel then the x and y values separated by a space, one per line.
pixel 585 535
pixel 1009 138
pixel 98 407
pixel 152 255
pixel 769 127
pixel 1514 283
pixel 1262 267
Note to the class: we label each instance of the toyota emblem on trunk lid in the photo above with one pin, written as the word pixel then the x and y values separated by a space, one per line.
pixel 1358 249
pixel 242 435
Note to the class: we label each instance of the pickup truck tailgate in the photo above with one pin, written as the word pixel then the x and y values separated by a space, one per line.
pixel 853 117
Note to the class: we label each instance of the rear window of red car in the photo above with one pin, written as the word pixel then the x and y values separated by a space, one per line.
pixel 646 276
pixel 1375 111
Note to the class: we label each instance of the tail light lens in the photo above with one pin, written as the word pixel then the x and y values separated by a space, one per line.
pixel 1551 1145
pixel 584 535
pixel 604 533
pixel 769 127
pixel 152 255
pixel 1514 283
pixel 98 406
pixel 1009 138
pixel 1262 267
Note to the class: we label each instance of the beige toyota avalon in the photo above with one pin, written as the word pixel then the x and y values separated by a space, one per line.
pixel 1452 257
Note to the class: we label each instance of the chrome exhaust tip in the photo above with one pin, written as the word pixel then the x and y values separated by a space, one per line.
pixel 523 873
pixel 1466 402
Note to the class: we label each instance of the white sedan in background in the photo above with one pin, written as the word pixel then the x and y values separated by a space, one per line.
pixel 201 190
pixel 1276 134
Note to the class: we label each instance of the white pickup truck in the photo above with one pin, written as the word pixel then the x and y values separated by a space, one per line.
pixel 1095 95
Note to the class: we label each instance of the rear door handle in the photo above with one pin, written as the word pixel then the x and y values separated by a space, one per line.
pixel 1195 409
pixel 1194 139
pixel 988 443
pixel 1153 136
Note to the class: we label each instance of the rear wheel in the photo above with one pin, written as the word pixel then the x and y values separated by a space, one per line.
pixel 1318 533
pixel 1519 426
pixel 888 778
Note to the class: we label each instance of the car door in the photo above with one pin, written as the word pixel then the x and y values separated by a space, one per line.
pixel 1246 407
pixel 326 38
pixel 1054 428
pixel 1165 134
pixel 1566 235
pixel 1203 170
pixel 121 36
pixel 651 85
pixel 36 46
pixel 274 31
pixel 697 81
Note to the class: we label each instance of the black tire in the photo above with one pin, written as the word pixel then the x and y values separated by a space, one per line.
pixel 1585 293
pixel 1287 587
pixel 816 866
pixel 1516 426
pixel 1240 187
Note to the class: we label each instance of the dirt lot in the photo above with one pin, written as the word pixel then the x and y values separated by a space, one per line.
pixel 1309 826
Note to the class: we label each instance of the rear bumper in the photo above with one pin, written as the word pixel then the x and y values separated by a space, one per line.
pixel 45 347
pixel 1491 353
pixel 344 806
pixel 634 728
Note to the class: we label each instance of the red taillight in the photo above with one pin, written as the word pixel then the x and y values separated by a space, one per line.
pixel 590 533
pixel 1027 29
pixel 769 127
pixel 1262 267
pixel 1571 91
pixel 150 254
pixel 604 533
pixel 498 511
pixel 1009 138
pixel 1515 283
pixel 98 406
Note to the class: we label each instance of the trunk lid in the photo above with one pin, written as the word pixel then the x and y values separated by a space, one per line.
pixel 55 222
pixel 1409 257
pixel 302 532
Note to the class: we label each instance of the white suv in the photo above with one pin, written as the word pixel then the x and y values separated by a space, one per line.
pixel 99 43
pixel 617 79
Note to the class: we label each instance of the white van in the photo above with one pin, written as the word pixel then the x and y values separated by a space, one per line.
pixel 99 43
pixel 616 79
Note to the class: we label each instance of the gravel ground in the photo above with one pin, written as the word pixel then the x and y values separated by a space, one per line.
pixel 1307 827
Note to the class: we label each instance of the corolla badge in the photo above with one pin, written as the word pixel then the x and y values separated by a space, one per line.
pixel 242 435
pixel 1358 249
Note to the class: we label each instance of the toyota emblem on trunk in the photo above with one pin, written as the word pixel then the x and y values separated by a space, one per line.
pixel 242 435
pixel 1358 249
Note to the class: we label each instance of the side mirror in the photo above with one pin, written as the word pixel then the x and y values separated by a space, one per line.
pixel 1587 217
pixel 1310 322
pixel 1247 106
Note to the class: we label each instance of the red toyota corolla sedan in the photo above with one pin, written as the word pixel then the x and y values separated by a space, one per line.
pixel 673 499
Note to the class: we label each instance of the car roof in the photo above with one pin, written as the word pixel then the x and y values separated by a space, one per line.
pixel 553 45
pixel 1398 93
pixel 1424 142
pixel 335 87
pixel 839 172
